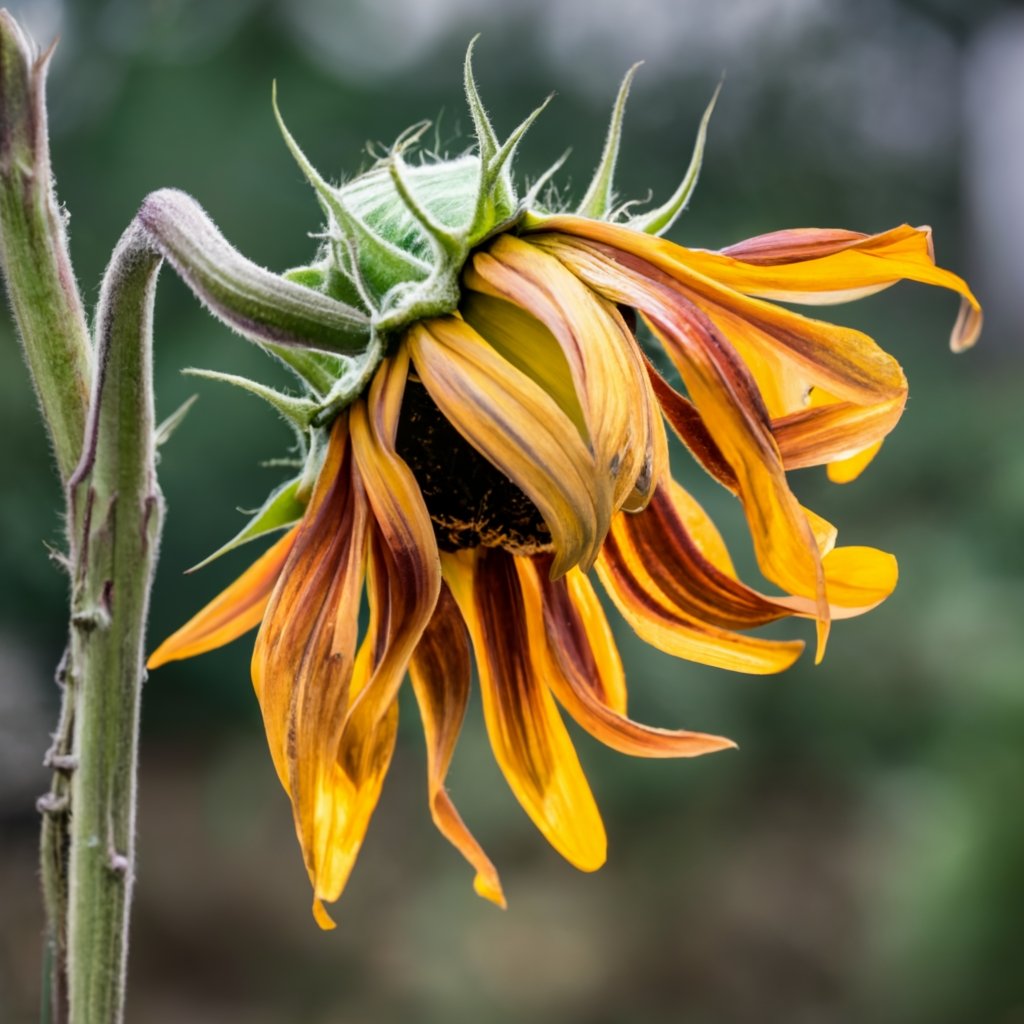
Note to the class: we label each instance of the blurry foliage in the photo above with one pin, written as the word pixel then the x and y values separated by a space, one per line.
pixel 858 858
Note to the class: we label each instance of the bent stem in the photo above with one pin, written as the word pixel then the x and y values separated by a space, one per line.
pixel 116 513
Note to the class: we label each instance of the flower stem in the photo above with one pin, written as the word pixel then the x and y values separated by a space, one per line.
pixel 116 514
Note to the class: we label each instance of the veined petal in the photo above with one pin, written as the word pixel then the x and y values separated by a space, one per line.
pixel 572 646
pixel 233 612
pixel 730 405
pixel 440 672
pixel 305 654
pixel 515 424
pixel 407 572
pixel 600 350
pixel 529 740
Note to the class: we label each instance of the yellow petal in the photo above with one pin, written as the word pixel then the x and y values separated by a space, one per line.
pixel 233 612
pixel 305 650
pixel 529 346
pixel 859 577
pixel 348 793
pixel 572 646
pixel 440 673
pixel 517 426
pixel 601 352
pixel 529 740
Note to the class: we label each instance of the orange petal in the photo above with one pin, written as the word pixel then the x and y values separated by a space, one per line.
pixel 529 740
pixel 305 652
pixel 814 268
pixel 407 572
pixel 233 612
pixel 841 434
pixel 515 424
pixel 572 645
pixel 440 672
pixel 679 601
pixel 730 406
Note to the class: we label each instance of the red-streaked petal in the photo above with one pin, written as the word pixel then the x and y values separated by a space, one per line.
pixel 792 245
pixel 844 268
pixel 407 572
pixel 730 405
pixel 515 424
pixel 691 429
pixel 304 658
pixel 601 352
pixel 571 643
pixel 679 601
pixel 835 433
pixel 440 672
pixel 231 613
pixel 529 740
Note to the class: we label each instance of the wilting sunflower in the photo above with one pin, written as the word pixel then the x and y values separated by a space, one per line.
pixel 504 436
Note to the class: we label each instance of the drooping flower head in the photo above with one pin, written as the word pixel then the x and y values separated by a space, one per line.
pixel 502 441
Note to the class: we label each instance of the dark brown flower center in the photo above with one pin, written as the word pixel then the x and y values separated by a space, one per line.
pixel 471 503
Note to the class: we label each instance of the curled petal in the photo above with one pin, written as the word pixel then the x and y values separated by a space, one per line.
pixel 680 601
pixel 529 346
pixel 529 740
pixel 440 673
pixel 601 352
pixel 572 645
pixel 305 654
pixel 516 425
pixel 730 405
pixel 407 572
pixel 233 612
pixel 843 435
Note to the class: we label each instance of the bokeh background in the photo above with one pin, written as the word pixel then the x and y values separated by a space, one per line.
pixel 861 858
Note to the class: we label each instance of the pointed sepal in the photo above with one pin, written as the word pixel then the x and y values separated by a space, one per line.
pixel 597 201
pixel 168 426
pixel 282 509
pixel 296 409
pixel 657 222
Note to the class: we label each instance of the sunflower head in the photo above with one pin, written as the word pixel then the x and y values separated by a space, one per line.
pixel 503 434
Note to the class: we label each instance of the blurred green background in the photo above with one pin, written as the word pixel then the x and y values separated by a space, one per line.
pixel 861 857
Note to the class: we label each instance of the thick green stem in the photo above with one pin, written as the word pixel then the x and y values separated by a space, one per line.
pixel 34 253
pixel 116 513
